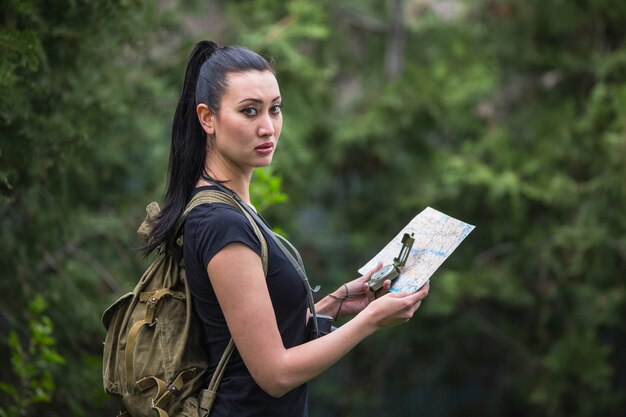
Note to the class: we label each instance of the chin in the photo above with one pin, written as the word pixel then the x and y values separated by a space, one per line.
pixel 264 162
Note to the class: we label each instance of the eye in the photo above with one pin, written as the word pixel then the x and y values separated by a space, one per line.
pixel 276 109
pixel 250 111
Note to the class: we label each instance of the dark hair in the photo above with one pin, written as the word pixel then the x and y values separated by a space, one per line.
pixel 205 82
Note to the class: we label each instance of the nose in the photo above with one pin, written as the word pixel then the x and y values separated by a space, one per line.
pixel 266 126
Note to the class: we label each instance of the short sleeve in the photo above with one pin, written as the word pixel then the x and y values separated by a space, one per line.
pixel 213 226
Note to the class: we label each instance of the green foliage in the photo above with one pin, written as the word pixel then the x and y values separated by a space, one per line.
pixel 267 189
pixel 508 119
pixel 71 188
pixel 33 364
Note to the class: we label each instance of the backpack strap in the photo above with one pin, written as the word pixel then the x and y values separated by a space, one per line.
pixel 207 396
pixel 214 196
pixel 165 392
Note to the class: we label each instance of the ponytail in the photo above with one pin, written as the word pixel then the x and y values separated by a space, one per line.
pixel 187 151
pixel 205 82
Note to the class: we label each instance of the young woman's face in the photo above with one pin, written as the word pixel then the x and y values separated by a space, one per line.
pixel 249 122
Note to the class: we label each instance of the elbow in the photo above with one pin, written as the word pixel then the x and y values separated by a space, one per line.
pixel 274 388
pixel 275 392
pixel 273 384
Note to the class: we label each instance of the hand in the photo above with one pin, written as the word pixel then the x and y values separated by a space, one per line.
pixel 396 308
pixel 355 295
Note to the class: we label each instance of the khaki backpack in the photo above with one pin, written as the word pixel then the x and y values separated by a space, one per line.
pixel 153 359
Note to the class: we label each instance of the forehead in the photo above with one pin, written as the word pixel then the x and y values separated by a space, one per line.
pixel 259 85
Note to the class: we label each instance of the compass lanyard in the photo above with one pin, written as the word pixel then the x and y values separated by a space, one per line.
pixel 292 253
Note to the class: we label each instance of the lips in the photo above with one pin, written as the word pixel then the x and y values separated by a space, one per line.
pixel 266 147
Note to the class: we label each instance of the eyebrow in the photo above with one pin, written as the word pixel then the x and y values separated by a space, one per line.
pixel 256 100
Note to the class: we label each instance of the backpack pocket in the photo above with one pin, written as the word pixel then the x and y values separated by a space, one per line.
pixel 113 320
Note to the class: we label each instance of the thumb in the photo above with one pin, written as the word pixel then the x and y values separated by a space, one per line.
pixel 372 271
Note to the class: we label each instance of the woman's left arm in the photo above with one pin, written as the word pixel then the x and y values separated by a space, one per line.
pixel 352 297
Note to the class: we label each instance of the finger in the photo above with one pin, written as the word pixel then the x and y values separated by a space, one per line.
pixel 400 294
pixel 421 294
pixel 417 295
pixel 372 295
pixel 425 289
pixel 384 289
pixel 368 292
pixel 366 288
pixel 368 275
pixel 411 302
pixel 371 272
pixel 415 307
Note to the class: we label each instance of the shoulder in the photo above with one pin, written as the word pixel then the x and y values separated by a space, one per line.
pixel 210 227
pixel 216 216
pixel 213 210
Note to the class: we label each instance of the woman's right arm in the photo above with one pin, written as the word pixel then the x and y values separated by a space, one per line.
pixel 237 276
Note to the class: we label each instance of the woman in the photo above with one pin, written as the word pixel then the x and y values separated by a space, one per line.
pixel 227 123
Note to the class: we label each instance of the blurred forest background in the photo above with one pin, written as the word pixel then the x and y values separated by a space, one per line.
pixel 507 114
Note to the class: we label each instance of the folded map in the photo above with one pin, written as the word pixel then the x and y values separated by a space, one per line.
pixel 436 236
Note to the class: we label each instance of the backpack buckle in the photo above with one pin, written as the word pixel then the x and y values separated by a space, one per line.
pixel 151 312
pixel 174 390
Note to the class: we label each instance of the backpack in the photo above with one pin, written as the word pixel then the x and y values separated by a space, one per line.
pixel 153 359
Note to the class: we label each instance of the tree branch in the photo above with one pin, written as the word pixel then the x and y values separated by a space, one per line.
pixel 356 20
pixel 51 260
pixel 394 62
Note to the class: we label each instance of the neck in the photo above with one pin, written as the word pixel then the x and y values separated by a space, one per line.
pixel 235 180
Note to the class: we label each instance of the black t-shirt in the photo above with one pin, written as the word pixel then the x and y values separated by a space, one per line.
pixel 207 230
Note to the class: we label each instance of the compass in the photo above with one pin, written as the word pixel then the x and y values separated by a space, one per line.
pixel 392 271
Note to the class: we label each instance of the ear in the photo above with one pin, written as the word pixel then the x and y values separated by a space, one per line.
pixel 206 118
